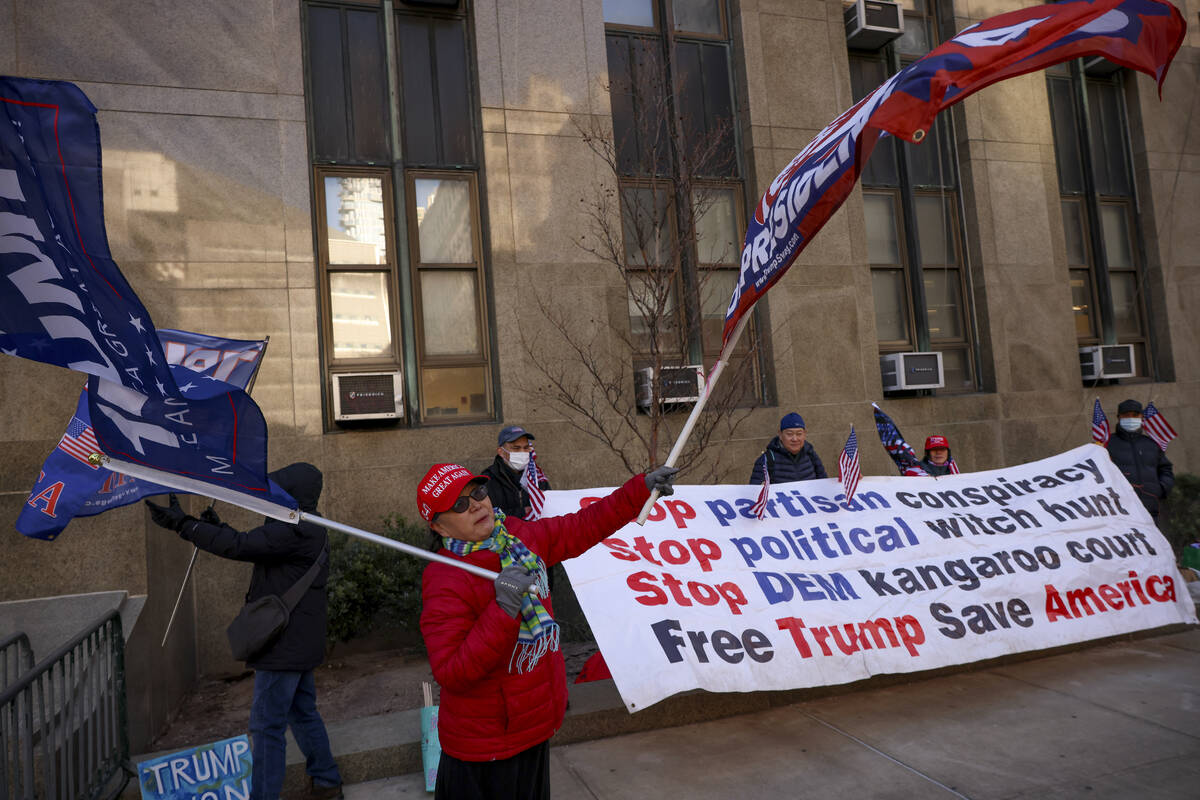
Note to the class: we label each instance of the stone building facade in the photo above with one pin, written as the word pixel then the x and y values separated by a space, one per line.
pixel 383 186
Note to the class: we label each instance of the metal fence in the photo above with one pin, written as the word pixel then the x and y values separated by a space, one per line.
pixel 62 723
pixel 16 658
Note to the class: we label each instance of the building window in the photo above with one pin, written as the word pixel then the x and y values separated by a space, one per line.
pixel 681 193
pixel 1100 221
pixel 400 248
pixel 914 234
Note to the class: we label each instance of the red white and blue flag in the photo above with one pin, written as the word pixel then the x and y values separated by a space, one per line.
pixel 901 451
pixel 848 468
pixel 79 442
pixel 1156 427
pixel 760 505
pixel 1100 431
pixel 64 301
pixel 531 480
pixel 1139 34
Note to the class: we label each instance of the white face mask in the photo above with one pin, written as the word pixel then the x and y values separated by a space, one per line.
pixel 1130 424
pixel 517 461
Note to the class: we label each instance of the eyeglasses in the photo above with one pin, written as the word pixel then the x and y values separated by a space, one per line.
pixel 478 494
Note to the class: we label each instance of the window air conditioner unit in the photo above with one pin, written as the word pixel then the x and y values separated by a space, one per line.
pixel 870 24
pixel 675 385
pixel 904 372
pixel 1106 361
pixel 367 395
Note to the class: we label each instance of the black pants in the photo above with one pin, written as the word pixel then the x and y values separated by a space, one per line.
pixel 525 776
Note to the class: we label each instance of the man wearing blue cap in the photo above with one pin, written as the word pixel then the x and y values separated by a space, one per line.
pixel 514 448
pixel 789 457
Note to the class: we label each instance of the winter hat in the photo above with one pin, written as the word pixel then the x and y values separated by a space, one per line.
pixel 1128 406
pixel 792 420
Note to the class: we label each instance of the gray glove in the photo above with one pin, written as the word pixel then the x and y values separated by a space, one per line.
pixel 511 585
pixel 661 478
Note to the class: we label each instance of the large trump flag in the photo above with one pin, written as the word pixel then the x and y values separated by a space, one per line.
pixel 63 301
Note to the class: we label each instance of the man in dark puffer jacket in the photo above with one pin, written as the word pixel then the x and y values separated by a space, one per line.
pixel 284 691
pixel 789 457
pixel 1140 460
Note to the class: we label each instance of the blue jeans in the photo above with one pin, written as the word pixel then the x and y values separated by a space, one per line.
pixel 282 699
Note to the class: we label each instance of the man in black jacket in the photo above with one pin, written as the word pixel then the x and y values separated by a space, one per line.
pixel 1139 458
pixel 514 448
pixel 789 456
pixel 284 691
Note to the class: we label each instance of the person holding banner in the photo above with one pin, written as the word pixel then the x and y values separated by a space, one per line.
pixel 1139 457
pixel 284 691
pixel 514 448
pixel 788 457
pixel 493 646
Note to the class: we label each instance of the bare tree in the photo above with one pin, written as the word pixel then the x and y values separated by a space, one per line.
pixel 654 220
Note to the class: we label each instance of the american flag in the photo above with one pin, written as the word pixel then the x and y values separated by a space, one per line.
pixel 901 452
pixel 760 505
pixel 954 470
pixel 531 480
pixel 848 471
pixel 1157 427
pixel 1100 432
pixel 79 442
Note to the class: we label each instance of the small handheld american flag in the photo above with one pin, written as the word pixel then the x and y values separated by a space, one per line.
pixel 79 442
pixel 1157 427
pixel 1100 432
pixel 531 480
pixel 760 505
pixel 848 469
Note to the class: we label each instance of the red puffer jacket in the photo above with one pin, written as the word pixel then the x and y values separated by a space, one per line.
pixel 487 712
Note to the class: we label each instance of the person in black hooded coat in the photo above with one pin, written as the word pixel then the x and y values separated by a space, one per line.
pixel 284 690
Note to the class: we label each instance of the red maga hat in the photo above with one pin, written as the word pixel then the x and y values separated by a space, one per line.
pixel 937 441
pixel 441 486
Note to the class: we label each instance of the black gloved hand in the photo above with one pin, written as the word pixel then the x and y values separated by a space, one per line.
pixel 511 585
pixel 171 517
pixel 662 478
pixel 209 515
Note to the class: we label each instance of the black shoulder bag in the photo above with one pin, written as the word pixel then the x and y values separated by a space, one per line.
pixel 260 621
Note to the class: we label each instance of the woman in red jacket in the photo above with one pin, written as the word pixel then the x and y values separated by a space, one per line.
pixel 493 646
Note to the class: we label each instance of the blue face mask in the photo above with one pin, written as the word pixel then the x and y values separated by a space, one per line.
pixel 1130 424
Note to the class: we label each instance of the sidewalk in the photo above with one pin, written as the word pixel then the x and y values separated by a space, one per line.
pixel 1115 721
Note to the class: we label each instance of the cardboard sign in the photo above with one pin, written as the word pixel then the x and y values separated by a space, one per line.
pixel 217 771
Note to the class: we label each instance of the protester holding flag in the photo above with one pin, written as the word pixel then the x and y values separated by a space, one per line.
pixel 789 456
pixel 514 453
pixel 937 460
pixel 284 691
pixel 1139 457
pixel 493 646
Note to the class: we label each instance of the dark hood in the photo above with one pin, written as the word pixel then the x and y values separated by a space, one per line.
pixel 302 481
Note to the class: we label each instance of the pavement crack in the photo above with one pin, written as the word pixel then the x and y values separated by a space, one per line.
pixel 882 754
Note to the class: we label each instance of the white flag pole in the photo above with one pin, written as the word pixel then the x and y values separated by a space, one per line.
pixel 272 510
pixel 686 431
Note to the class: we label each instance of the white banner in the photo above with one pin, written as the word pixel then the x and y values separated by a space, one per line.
pixel 915 574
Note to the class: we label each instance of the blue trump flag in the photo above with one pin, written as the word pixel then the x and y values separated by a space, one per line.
pixel 63 301
pixel 70 486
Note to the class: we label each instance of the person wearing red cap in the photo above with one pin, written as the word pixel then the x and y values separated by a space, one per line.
pixel 493 645
pixel 937 459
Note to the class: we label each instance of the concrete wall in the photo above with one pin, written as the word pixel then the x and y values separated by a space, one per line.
pixel 204 103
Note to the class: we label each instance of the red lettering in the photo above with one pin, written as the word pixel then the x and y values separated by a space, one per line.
pixel 680 512
pixel 644 582
pixel 794 626
pixel 49 496
pixel 619 549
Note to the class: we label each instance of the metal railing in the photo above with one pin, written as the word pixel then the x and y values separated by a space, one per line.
pixel 63 725
pixel 16 658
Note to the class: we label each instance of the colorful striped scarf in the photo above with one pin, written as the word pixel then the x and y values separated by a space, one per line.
pixel 539 632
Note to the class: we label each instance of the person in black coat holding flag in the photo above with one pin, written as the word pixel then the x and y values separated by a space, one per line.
pixel 284 690
pixel 1140 459
pixel 789 457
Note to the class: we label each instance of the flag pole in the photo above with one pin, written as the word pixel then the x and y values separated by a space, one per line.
pixel 272 510
pixel 686 431
pixel 262 354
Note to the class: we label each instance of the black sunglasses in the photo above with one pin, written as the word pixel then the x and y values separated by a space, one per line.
pixel 478 494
